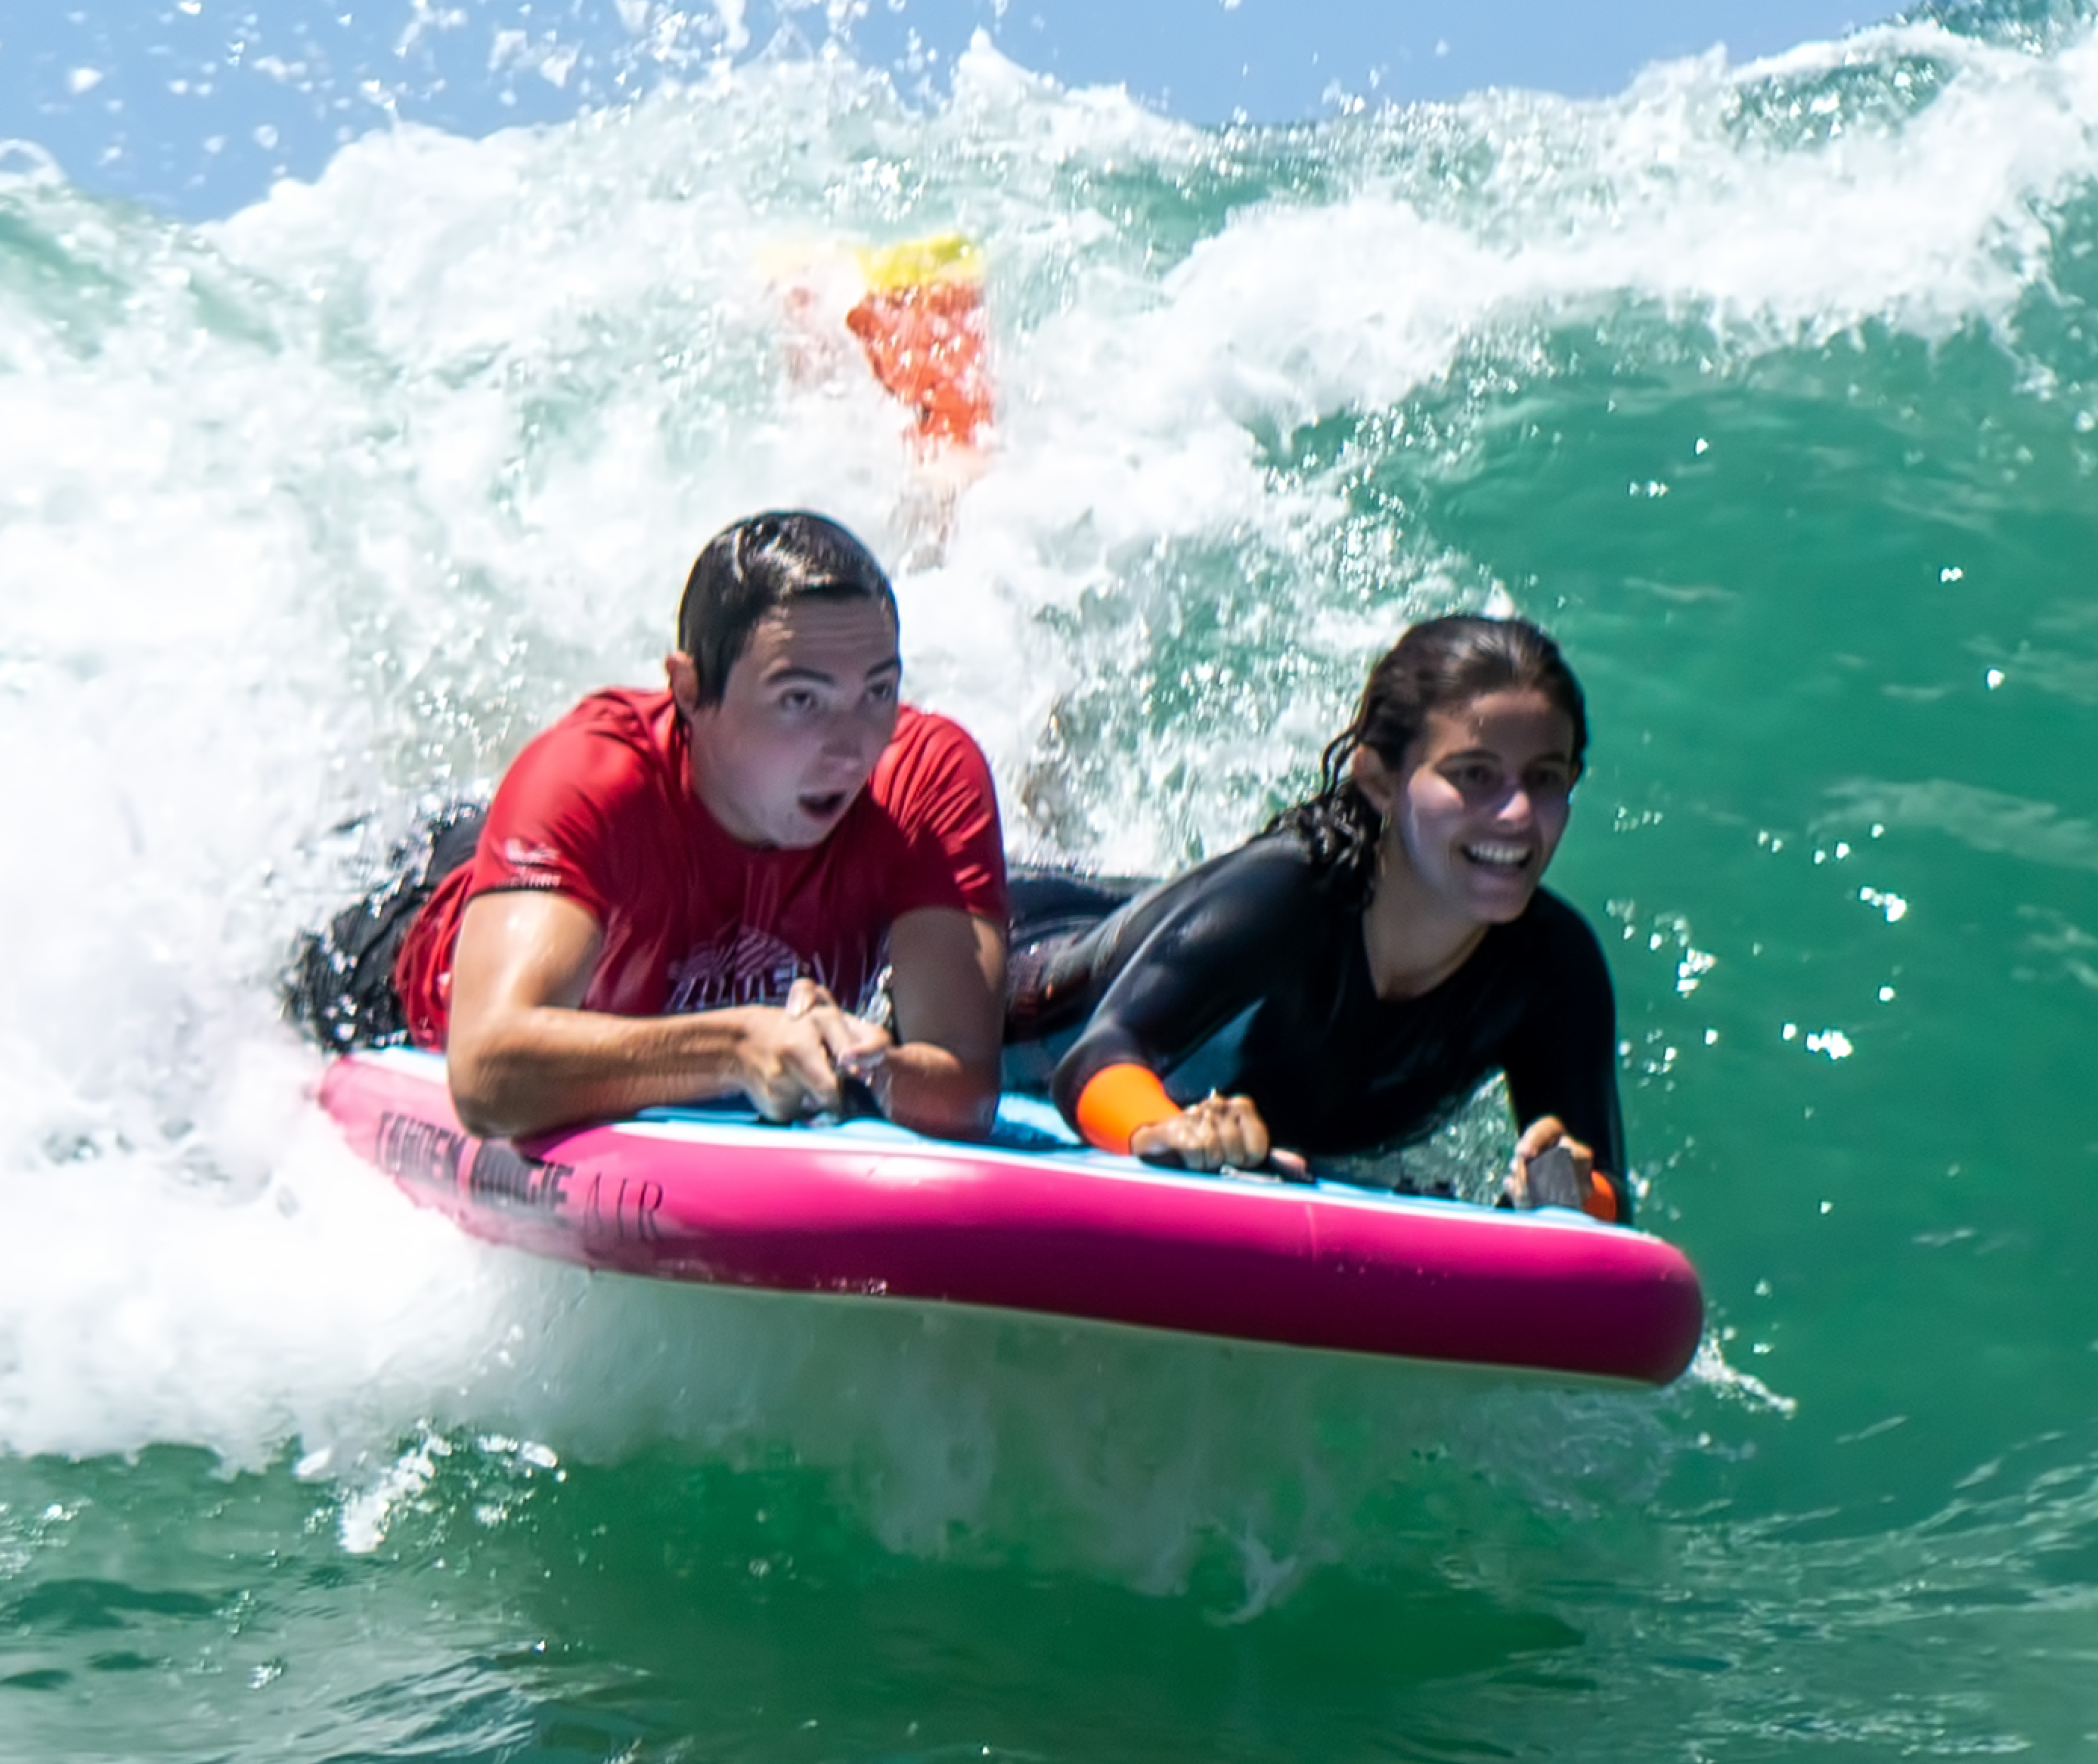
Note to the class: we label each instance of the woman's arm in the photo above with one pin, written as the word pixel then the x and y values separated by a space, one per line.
pixel 1178 967
pixel 1562 1073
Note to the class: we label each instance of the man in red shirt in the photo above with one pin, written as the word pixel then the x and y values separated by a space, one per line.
pixel 695 893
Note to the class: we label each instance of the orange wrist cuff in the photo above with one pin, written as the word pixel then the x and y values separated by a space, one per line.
pixel 1602 1201
pixel 1117 1100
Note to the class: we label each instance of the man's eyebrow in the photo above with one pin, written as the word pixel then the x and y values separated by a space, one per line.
pixel 891 664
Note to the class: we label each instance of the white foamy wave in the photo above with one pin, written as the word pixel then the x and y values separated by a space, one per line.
pixel 947 1433
pixel 1709 1369
pixel 1924 223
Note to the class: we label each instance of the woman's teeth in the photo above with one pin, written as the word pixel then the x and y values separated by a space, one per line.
pixel 1499 856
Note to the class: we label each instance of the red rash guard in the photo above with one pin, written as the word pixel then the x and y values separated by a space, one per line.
pixel 599 809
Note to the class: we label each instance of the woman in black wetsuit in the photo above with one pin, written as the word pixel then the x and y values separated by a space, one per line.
pixel 1343 982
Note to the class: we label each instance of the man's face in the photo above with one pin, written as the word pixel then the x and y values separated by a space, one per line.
pixel 808 706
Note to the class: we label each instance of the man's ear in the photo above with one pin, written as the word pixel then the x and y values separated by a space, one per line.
pixel 1378 783
pixel 683 674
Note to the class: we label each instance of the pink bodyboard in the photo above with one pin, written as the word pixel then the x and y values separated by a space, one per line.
pixel 869 1208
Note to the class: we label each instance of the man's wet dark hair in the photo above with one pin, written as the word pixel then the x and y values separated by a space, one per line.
pixel 1440 664
pixel 758 566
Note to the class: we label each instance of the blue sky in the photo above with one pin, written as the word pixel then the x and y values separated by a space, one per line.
pixel 1276 59
pixel 193 106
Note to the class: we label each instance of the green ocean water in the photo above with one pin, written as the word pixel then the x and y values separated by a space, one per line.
pixel 1773 391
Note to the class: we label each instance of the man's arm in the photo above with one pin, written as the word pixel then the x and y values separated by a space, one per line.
pixel 524 1056
pixel 947 978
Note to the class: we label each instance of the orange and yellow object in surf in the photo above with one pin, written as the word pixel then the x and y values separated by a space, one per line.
pixel 923 326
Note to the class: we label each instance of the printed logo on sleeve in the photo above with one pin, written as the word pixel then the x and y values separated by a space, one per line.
pixel 535 866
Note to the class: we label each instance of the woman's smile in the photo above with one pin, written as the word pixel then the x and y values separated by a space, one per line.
pixel 1499 856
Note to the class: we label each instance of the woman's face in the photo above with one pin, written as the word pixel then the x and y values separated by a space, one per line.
pixel 1480 803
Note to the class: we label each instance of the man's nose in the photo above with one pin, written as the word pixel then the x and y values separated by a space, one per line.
pixel 849 734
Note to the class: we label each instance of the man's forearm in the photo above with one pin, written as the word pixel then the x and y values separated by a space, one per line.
pixel 925 1087
pixel 549 1067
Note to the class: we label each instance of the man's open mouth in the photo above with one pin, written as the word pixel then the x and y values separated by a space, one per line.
pixel 822 806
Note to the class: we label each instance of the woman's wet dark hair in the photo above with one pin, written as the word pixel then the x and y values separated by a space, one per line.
pixel 758 565
pixel 1440 664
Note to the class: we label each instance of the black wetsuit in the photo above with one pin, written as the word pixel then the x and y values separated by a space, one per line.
pixel 1248 976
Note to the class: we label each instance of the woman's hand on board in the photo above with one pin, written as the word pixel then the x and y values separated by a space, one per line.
pixel 1575 1182
pixel 1219 1132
